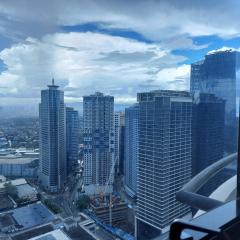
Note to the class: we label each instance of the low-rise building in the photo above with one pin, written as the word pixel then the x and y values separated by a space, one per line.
pixel 23 218
pixel 18 166
pixel 53 235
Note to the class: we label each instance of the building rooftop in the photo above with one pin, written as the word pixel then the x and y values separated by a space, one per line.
pixel 25 190
pixel 27 217
pixel 16 182
pixel 12 159
pixel 53 235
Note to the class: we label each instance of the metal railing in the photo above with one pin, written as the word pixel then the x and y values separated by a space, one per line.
pixel 188 194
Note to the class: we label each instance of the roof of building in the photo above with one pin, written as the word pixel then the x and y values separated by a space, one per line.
pixel 53 235
pixel 29 216
pixel 16 182
pixel 33 232
pixel 25 190
pixel 12 159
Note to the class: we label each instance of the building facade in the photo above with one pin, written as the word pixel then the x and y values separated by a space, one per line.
pixel 119 119
pixel 98 121
pixel 208 130
pixel 131 150
pixel 72 138
pixel 219 74
pixel 208 136
pixel 164 159
pixel 53 165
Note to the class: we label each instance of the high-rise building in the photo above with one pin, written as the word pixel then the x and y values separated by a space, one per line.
pixel 52 139
pixel 208 130
pixel 164 159
pixel 208 136
pixel 121 149
pixel 72 138
pixel 119 119
pixel 218 74
pixel 98 121
pixel 131 150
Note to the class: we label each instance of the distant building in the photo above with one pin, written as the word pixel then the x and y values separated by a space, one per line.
pixel 53 164
pixel 24 190
pixel 118 128
pixel 164 159
pixel 131 149
pixel 72 138
pixel 98 142
pixel 53 235
pixel 13 166
pixel 23 218
pixel 218 74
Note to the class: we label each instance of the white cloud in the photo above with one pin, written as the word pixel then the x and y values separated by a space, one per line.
pixel 162 20
pixel 86 62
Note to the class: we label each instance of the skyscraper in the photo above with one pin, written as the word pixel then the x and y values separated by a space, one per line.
pixel 208 137
pixel 52 139
pixel 131 150
pixel 119 119
pixel 72 133
pixel 98 141
pixel 218 73
pixel 208 130
pixel 164 161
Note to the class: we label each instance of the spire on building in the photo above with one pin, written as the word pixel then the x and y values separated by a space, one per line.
pixel 53 84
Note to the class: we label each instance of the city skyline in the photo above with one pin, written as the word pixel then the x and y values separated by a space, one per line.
pixel 87 47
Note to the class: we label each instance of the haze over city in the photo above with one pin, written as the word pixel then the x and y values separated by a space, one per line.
pixel 123 46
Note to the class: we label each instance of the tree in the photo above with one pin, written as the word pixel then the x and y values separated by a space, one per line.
pixel 53 207
pixel 83 202
pixel 11 190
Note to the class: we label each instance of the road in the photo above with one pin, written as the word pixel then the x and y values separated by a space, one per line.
pixel 69 197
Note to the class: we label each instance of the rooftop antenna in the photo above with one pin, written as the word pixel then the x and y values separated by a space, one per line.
pixel 52 81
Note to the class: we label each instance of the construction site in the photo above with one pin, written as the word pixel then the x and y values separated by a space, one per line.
pixel 110 209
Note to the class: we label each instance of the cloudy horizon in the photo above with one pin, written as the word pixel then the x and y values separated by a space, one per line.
pixel 116 47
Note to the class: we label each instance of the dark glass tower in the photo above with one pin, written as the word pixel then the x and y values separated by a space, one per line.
pixel 72 138
pixel 218 74
pixel 208 130
pixel 208 136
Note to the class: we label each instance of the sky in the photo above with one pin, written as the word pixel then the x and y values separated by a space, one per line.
pixel 116 47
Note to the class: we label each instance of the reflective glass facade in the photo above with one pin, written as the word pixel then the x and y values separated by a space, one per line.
pixel 218 73
pixel 72 138
pixel 131 149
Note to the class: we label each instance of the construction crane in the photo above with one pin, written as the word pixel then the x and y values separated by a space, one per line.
pixel 111 175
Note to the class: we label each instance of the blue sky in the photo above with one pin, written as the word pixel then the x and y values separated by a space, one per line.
pixel 118 47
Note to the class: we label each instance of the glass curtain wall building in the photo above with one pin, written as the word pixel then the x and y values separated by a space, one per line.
pixel 218 73
pixel 72 133
pixel 208 136
pixel 164 163
pixel 119 119
pixel 131 150
pixel 53 167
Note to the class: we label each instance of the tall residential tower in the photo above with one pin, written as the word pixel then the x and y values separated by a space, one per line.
pixel 52 139
pixel 98 130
